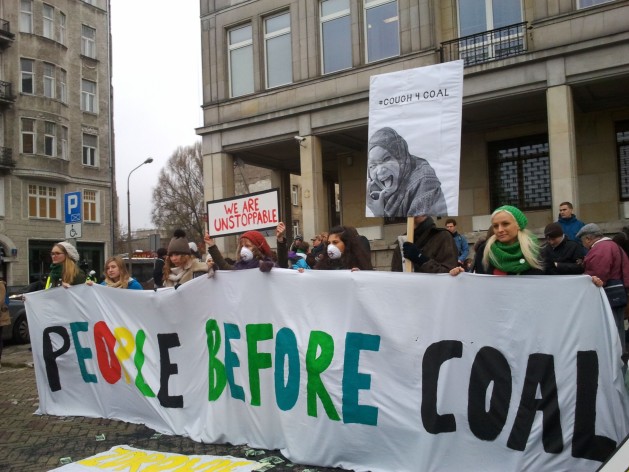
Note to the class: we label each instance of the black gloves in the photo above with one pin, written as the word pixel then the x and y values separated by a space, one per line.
pixel 413 254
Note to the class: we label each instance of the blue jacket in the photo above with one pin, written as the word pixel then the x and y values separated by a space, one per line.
pixel 571 227
pixel 300 263
pixel 132 285
pixel 462 246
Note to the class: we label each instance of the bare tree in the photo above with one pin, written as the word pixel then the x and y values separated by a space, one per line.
pixel 178 198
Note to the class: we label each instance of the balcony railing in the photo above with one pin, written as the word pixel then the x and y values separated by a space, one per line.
pixel 6 92
pixel 5 31
pixel 487 46
pixel 6 158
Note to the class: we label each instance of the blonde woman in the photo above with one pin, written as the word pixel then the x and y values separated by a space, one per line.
pixel 117 276
pixel 64 270
pixel 512 250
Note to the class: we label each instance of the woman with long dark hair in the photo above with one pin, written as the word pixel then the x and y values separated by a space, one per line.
pixel 345 250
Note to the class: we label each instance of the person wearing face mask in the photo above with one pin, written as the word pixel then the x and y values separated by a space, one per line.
pixel 253 252
pixel 345 251
pixel 180 267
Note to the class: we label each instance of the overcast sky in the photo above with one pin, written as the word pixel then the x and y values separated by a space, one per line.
pixel 157 93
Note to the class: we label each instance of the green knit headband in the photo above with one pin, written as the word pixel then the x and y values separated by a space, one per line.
pixel 516 213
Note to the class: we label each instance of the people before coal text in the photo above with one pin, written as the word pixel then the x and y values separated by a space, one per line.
pixel 117 276
pixel 253 253
pixel 180 266
pixel 345 251
pixel 512 250
pixel 64 270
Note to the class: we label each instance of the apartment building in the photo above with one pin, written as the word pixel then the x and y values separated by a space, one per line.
pixel 545 108
pixel 55 131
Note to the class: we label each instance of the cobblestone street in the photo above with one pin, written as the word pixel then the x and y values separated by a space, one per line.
pixel 33 443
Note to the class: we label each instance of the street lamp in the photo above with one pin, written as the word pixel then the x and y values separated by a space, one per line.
pixel 129 254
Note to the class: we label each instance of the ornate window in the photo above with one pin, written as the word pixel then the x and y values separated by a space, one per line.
pixel 90 206
pixel 43 201
pixel 519 173
pixel 622 149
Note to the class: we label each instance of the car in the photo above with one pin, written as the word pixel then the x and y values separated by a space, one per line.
pixel 17 331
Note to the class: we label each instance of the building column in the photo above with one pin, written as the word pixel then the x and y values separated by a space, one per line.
pixel 563 150
pixel 280 178
pixel 314 210
pixel 218 182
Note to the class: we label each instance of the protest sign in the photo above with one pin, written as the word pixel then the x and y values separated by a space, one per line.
pixel 387 371
pixel 235 215
pixel 415 141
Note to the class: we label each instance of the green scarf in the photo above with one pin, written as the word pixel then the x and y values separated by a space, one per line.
pixel 508 258
pixel 56 271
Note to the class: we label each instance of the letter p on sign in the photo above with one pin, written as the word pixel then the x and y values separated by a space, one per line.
pixel 73 207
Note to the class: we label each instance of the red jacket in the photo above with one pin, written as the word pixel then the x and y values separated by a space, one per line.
pixel 604 260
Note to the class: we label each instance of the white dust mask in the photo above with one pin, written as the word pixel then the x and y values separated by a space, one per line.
pixel 334 252
pixel 246 254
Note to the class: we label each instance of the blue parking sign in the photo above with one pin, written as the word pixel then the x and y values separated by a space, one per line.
pixel 73 207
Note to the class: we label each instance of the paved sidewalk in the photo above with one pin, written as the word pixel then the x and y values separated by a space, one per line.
pixel 34 443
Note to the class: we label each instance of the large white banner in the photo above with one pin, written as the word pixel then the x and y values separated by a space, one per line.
pixel 415 141
pixel 362 370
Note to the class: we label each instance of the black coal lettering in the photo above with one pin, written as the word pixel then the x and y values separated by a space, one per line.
pixel 436 354
pixel 50 355
pixel 539 371
pixel 165 342
pixel 585 443
pixel 489 366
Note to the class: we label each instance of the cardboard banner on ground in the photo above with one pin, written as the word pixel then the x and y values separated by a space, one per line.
pixel 130 458
pixel 415 141
pixel 375 371
pixel 235 215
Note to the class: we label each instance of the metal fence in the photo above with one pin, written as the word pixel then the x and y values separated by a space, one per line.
pixel 487 46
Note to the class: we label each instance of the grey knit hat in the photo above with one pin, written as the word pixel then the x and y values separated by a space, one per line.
pixel 590 229
pixel 179 243
pixel 70 250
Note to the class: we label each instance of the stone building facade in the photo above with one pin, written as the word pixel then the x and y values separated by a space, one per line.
pixel 545 107
pixel 55 131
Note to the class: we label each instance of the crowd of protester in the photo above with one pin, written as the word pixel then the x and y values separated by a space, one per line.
pixel 570 247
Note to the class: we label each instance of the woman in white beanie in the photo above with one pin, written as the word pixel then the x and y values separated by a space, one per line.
pixel 64 270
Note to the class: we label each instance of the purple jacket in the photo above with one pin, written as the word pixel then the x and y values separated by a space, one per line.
pixel 604 260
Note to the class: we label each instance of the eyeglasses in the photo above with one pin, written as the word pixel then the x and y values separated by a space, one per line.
pixel 53 254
